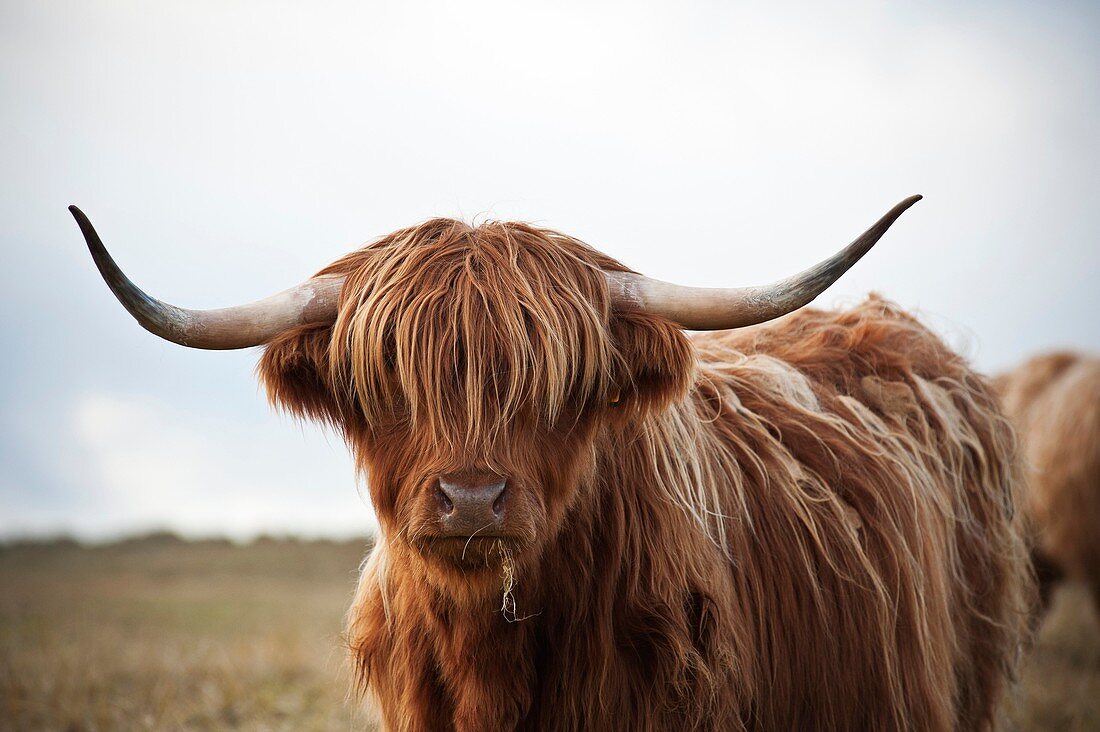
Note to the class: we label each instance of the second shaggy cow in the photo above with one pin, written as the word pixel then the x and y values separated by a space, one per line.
pixel 1055 400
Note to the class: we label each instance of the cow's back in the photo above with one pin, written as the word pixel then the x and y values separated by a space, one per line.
pixel 879 557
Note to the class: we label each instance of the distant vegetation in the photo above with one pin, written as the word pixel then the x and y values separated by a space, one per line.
pixel 160 633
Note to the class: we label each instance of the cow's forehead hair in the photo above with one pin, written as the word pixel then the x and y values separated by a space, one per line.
pixel 468 328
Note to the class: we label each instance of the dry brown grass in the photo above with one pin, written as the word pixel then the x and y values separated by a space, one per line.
pixel 161 634
pixel 1060 684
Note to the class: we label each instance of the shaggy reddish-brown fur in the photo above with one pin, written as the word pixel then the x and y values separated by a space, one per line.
pixel 807 525
pixel 1055 400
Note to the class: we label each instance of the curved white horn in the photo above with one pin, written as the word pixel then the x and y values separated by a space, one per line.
pixel 705 308
pixel 313 301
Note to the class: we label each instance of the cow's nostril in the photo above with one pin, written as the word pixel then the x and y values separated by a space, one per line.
pixel 444 500
pixel 498 504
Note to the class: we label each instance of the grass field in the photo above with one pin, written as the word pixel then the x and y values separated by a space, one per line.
pixel 161 634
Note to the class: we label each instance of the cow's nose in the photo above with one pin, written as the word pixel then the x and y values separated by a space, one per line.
pixel 468 508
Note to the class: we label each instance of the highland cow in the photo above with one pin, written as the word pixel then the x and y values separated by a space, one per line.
pixel 1055 401
pixel 592 520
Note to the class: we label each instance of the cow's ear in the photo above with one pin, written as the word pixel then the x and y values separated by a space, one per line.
pixel 657 362
pixel 295 371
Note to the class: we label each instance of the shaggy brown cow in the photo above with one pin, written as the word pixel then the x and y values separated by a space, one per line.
pixel 592 521
pixel 1055 401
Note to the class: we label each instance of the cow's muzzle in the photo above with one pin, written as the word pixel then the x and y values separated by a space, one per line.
pixel 471 506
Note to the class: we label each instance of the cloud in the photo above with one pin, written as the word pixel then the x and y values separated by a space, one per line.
pixel 145 464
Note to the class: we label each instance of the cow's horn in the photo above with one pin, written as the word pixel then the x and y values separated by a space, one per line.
pixel 703 308
pixel 313 301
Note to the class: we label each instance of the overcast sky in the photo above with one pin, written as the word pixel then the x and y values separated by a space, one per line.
pixel 226 150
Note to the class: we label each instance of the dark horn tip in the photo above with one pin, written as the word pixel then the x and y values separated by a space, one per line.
pixel 81 219
pixel 91 238
pixel 901 208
